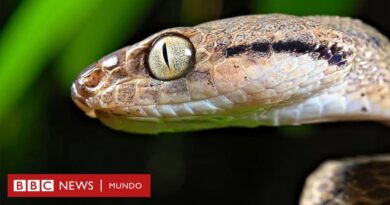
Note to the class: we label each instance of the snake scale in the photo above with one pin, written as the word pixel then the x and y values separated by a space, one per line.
pixel 248 71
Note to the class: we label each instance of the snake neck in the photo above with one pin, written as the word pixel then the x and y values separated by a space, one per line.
pixel 365 93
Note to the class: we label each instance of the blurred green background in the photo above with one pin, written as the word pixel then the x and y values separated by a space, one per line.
pixel 44 44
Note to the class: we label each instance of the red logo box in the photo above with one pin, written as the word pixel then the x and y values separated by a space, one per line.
pixel 79 185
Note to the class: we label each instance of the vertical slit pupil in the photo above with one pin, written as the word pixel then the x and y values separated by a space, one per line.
pixel 165 54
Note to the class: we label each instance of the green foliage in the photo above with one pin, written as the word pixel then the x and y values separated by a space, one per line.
pixel 21 131
pixel 104 32
pixel 39 30
pixel 73 31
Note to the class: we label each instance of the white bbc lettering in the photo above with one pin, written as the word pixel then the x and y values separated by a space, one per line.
pixel 33 185
pixel 47 185
pixel 19 185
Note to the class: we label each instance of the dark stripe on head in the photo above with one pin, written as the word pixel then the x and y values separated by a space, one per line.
pixel 334 49
pixel 335 59
pixel 260 47
pixel 292 47
pixel 333 54
pixel 236 50
pixel 323 52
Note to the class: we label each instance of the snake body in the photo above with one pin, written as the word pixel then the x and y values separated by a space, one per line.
pixel 247 71
pixel 351 181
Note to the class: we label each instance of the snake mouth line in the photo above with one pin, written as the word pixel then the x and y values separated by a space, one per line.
pixel 80 102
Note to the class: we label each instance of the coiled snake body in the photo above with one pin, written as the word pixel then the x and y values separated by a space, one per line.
pixel 246 71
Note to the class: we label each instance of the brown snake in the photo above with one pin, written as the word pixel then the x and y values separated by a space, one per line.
pixel 250 71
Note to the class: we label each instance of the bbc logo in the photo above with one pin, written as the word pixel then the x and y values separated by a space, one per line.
pixel 35 185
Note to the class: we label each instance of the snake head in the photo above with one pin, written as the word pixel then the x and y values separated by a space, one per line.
pixel 123 83
pixel 244 71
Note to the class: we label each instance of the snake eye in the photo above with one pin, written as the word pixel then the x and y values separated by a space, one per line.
pixel 171 57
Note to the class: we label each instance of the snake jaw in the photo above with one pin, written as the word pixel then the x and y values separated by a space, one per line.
pixel 81 103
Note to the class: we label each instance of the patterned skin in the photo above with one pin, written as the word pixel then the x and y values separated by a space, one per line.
pixel 352 181
pixel 257 70
pixel 248 71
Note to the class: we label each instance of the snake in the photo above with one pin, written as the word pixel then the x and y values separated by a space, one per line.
pixel 250 71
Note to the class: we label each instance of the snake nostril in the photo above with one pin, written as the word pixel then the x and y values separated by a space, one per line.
pixel 86 86
pixel 92 78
